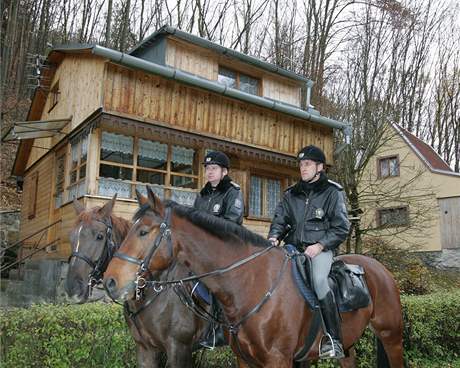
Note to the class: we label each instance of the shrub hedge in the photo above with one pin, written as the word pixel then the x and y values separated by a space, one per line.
pixel 95 335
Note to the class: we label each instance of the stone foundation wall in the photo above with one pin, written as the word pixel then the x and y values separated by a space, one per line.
pixel 9 227
pixel 447 259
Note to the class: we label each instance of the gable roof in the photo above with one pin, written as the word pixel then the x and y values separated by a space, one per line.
pixel 425 152
pixel 202 42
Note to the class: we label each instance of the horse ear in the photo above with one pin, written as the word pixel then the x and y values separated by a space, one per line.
pixel 106 210
pixel 79 208
pixel 155 202
pixel 140 198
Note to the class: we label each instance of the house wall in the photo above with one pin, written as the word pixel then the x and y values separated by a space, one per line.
pixel 28 226
pixel 205 63
pixel 157 100
pixel 80 84
pixel 419 187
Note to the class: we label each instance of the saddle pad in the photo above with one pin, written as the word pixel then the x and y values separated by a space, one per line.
pixel 202 292
pixel 300 278
pixel 346 281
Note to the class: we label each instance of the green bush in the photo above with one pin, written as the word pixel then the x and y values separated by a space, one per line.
pixel 95 335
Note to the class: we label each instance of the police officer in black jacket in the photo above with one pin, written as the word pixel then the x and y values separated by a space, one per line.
pixel 220 196
pixel 313 217
pixel 223 198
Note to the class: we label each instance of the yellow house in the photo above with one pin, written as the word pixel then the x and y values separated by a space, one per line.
pixel 411 197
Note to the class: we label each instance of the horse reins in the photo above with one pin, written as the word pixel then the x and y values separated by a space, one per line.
pixel 187 300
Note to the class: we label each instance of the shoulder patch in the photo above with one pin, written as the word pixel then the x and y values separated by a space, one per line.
pixel 235 185
pixel 337 185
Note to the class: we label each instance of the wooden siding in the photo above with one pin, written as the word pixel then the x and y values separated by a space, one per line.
pixel 44 170
pixel 450 215
pixel 191 59
pixel 80 85
pixel 160 101
pixel 282 91
pixel 205 63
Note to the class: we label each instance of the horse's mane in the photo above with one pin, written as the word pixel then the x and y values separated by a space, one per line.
pixel 223 229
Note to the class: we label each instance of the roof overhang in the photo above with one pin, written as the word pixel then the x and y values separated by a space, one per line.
pixel 35 129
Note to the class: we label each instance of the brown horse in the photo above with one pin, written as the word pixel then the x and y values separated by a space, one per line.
pixel 271 335
pixel 159 322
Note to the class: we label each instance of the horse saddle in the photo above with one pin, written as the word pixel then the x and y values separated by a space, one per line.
pixel 345 280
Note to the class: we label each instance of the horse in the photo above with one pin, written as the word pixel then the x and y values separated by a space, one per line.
pixel 266 315
pixel 159 322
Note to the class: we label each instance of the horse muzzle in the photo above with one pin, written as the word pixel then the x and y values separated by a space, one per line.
pixel 115 292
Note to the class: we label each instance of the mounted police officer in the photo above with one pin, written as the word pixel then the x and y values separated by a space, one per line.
pixel 223 198
pixel 220 196
pixel 313 217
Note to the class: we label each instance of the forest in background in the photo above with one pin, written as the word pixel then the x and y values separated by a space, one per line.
pixel 372 61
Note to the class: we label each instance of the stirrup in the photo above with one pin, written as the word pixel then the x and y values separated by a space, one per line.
pixel 332 353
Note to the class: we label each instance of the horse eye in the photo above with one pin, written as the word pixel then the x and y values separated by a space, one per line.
pixel 143 233
pixel 99 237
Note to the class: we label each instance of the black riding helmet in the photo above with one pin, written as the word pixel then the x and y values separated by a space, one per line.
pixel 217 158
pixel 312 153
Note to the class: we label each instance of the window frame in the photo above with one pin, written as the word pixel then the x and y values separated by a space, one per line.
pixel 264 205
pixel 238 73
pixel 54 95
pixel 387 158
pixel 168 188
pixel 60 155
pixel 76 169
pixel 385 226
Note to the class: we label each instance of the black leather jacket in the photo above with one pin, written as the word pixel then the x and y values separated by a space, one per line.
pixel 225 201
pixel 319 216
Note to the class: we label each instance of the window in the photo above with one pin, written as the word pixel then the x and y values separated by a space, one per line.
pixel 264 195
pixel 59 181
pixel 54 95
pixel 32 196
pixel 77 171
pixel 388 166
pixel 129 163
pixel 398 216
pixel 238 80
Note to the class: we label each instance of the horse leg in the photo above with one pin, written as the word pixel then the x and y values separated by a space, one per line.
pixel 392 341
pixel 147 358
pixel 179 355
pixel 350 360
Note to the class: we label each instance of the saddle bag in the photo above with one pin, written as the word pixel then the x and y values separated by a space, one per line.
pixel 349 286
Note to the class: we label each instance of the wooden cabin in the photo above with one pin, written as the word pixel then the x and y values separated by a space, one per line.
pixel 113 122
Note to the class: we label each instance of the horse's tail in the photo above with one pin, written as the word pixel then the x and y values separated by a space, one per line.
pixel 382 358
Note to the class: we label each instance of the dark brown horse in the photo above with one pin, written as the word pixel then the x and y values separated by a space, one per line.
pixel 159 322
pixel 166 232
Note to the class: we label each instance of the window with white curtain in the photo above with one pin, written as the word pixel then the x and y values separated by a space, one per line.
pixel 264 195
pixel 78 167
pixel 129 163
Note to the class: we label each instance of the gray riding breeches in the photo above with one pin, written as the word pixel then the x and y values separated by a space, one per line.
pixel 321 266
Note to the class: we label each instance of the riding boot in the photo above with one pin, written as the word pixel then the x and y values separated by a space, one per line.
pixel 215 333
pixel 331 346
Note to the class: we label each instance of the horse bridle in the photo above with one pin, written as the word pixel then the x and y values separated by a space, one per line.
pixel 98 267
pixel 165 233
